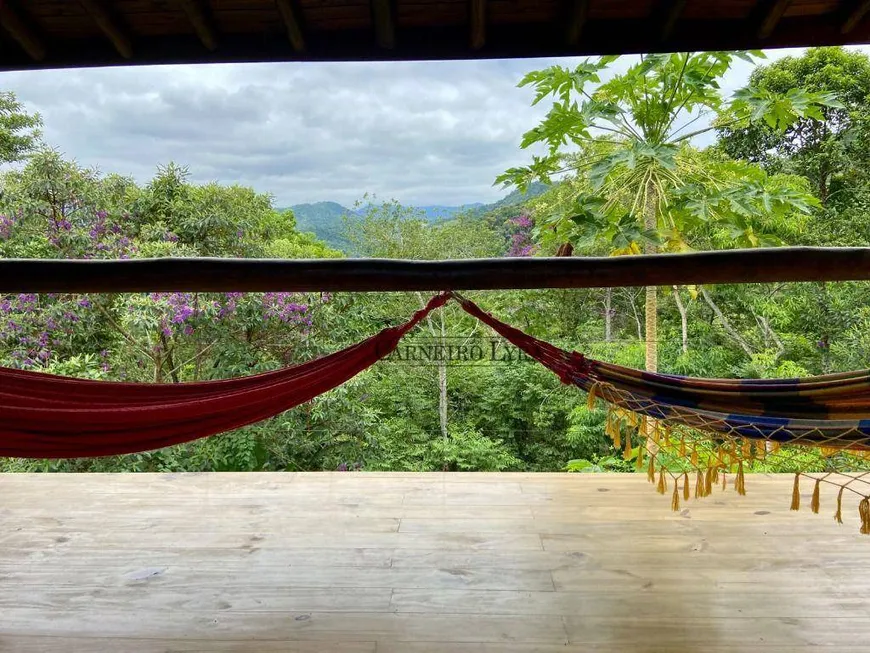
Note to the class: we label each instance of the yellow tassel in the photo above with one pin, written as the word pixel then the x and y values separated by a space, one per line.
pixel 740 480
pixel 864 512
pixel 796 493
pixel 626 455
pixel 638 464
pixel 683 447
pixel 708 482
pixel 775 447
pixel 612 429
pixel 699 486
pixel 663 484
pixel 724 484
pixel 715 477
pixel 814 502
pixel 675 499
pixel 686 486
pixel 695 458
pixel 651 470
pixel 593 395
pixel 838 516
pixel 747 450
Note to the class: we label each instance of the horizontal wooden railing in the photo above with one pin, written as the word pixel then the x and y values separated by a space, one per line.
pixel 361 275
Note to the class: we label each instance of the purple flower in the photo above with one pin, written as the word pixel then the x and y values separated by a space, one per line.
pixel 6 223
pixel 523 221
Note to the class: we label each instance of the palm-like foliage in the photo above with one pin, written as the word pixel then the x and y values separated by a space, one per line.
pixel 636 182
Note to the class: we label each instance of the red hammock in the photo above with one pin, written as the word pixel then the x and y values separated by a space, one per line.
pixel 48 416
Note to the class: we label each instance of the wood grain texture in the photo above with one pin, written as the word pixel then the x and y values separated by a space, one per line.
pixel 770 12
pixel 578 15
pixel 668 14
pixel 420 563
pixel 292 21
pixel 384 23
pixel 201 22
pixel 854 14
pixel 109 25
pixel 12 21
pixel 477 20
pixel 782 264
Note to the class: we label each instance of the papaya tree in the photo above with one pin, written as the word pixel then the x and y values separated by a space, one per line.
pixel 643 187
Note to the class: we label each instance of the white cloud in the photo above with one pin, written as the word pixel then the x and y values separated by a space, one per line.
pixel 420 132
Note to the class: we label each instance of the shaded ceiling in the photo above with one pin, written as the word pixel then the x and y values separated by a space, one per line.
pixel 55 33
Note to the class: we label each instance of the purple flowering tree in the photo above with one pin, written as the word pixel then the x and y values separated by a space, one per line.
pixel 521 236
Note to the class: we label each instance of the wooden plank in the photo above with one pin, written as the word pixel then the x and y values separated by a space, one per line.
pixel 785 264
pixel 31 644
pixel 109 26
pixel 668 14
pixel 691 602
pixel 578 16
pixel 855 13
pixel 244 563
pixel 12 22
pixel 384 23
pixel 240 626
pixel 290 16
pixel 201 23
pixel 770 13
pixel 477 13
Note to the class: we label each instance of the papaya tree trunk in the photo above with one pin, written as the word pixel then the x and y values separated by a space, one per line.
pixel 608 315
pixel 684 319
pixel 651 304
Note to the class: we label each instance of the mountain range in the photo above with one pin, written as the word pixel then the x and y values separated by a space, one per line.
pixel 327 219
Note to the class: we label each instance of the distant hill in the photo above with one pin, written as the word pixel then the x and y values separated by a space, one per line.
pixel 437 212
pixel 327 219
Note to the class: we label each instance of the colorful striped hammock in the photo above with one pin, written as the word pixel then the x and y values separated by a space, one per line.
pixel 672 425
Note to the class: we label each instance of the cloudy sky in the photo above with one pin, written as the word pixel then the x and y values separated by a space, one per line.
pixel 422 133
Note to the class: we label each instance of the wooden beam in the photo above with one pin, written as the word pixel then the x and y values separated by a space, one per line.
pixel 201 23
pixel 578 15
pixel 366 275
pixel 854 15
pixel 18 30
pixel 290 16
pixel 477 10
pixel 385 29
pixel 668 13
pixel 771 13
pixel 109 26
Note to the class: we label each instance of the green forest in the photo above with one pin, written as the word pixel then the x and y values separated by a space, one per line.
pixel 648 157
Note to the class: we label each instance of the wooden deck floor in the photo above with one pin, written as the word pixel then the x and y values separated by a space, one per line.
pixel 420 562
